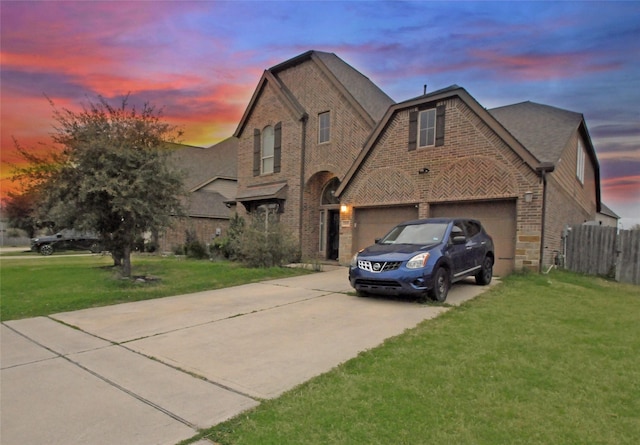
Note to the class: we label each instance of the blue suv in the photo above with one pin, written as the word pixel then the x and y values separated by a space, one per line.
pixel 423 258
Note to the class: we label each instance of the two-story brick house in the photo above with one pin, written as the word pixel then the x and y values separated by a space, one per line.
pixel 342 163
pixel 303 128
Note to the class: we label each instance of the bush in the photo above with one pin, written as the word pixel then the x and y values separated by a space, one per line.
pixel 193 248
pixel 150 246
pixel 229 246
pixel 266 243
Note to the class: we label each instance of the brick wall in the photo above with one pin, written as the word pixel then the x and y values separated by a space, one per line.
pixel 568 201
pixel 205 229
pixel 316 94
pixel 473 164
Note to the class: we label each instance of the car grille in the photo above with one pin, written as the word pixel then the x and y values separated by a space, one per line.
pixel 378 283
pixel 378 266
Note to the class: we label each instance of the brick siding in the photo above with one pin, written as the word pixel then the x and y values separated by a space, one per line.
pixel 204 228
pixel 473 164
pixel 316 94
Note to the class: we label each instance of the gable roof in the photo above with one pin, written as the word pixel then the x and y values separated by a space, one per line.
pixel 442 94
pixel 204 204
pixel 543 129
pixel 365 96
pixel 206 163
pixel 546 131
pixel 202 165
pixel 364 91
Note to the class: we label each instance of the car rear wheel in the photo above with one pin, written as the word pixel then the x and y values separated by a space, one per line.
pixel 46 249
pixel 441 285
pixel 486 272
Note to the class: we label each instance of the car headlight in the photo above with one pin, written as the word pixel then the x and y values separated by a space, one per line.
pixel 354 260
pixel 418 261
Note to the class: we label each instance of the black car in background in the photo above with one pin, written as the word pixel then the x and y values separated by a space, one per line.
pixel 66 240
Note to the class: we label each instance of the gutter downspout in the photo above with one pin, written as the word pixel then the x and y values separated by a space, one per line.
pixel 543 169
pixel 303 150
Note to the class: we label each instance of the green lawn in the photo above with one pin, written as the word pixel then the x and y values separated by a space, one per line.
pixel 538 360
pixel 47 285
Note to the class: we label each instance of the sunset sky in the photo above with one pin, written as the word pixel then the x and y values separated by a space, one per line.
pixel 201 61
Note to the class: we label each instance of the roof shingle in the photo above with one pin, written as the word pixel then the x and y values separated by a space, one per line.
pixel 542 129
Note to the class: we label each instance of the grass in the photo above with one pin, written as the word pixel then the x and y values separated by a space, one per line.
pixel 41 286
pixel 541 359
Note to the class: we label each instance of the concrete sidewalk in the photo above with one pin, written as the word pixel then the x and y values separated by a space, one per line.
pixel 155 371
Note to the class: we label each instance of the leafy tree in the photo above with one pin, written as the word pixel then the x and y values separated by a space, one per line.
pixel 19 210
pixel 111 174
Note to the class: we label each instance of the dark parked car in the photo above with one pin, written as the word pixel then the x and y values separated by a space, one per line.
pixel 66 240
pixel 423 258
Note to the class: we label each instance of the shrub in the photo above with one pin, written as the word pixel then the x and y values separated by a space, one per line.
pixel 229 246
pixel 150 246
pixel 193 248
pixel 266 242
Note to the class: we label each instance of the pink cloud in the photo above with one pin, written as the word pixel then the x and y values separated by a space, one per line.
pixel 538 66
pixel 623 189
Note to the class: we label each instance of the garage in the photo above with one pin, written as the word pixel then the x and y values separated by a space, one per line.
pixel 375 222
pixel 498 219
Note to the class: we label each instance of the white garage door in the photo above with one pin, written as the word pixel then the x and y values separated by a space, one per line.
pixel 498 219
pixel 373 223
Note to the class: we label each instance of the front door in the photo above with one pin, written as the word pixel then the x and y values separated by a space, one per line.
pixel 333 234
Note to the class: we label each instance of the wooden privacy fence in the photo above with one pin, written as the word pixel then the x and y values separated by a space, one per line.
pixel 601 250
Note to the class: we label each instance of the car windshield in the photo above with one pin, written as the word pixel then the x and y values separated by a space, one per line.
pixel 416 234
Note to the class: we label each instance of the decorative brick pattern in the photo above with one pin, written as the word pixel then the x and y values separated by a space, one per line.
pixel 388 185
pixel 490 179
pixel 474 164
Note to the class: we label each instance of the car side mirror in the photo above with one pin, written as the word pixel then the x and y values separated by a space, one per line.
pixel 377 240
pixel 459 239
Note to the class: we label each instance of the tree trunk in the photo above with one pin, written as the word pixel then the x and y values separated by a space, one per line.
pixel 126 261
pixel 117 257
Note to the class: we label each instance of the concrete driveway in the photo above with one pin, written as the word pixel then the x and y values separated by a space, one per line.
pixel 153 372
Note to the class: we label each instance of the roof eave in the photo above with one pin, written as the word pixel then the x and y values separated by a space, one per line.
pixel 292 105
pixel 343 90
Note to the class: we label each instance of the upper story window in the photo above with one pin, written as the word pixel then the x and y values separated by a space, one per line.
pixel 427 128
pixel 267 154
pixel 267 150
pixel 324 127
pixel 580 163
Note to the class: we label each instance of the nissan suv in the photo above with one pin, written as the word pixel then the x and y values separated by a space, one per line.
pixel 423 258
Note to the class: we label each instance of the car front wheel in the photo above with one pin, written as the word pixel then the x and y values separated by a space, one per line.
pixel 46 249
pixel 486 272
pixel 441 284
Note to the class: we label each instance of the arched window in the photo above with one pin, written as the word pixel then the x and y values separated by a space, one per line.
pixel 329 192
pixel 267 155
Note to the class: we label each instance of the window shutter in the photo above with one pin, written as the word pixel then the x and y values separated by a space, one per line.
pixel 440 110
pixel 413 130
pixel 256 152
pixel 277 145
